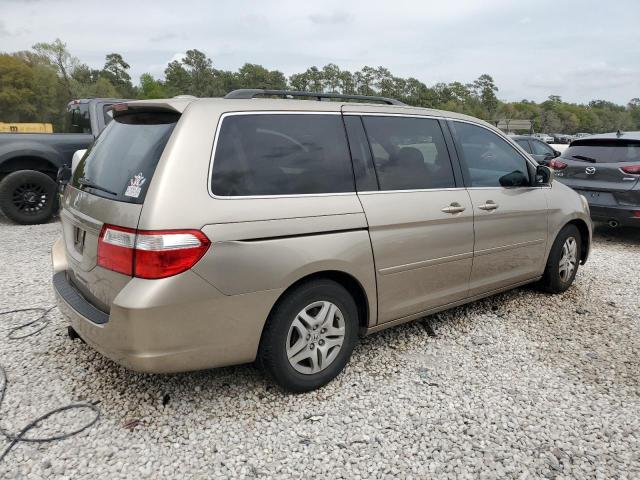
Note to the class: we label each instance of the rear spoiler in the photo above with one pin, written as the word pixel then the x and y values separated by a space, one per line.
pixel 604 142
pixel 177 105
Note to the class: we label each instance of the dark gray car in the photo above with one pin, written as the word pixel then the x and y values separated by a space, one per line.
pixel 606 170
pixel 29 162
pixel 538 149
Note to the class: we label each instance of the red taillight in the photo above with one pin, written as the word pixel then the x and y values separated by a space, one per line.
pixel 164 253
pixel 557 164
pixel 150 253
pixel 115 249
pixel 631 169
pixel 636 214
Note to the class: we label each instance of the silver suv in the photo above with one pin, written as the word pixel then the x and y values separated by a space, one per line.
pixel 198 233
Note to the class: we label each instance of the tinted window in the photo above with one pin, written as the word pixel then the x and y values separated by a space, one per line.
pixel 122 160
pixel 281 155
pixel 487 156
pixel 77 120
pixel 409 153
pixel 108 114
pixel 541 148
pixel 366 179
pixel 524 144
pixel 604 152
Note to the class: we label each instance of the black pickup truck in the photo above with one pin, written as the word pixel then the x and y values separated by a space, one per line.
pixel 29 162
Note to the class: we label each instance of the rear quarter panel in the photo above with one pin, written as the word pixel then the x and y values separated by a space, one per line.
pixel 564 205
pixel 260 243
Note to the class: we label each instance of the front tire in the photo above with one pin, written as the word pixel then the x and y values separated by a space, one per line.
pixel 28 197
pixel 309 336
pixel 563 261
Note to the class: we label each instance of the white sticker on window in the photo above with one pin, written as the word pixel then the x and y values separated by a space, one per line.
pixel 135 186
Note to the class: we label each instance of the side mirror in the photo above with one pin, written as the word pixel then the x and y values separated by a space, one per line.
pixel 544 176
pixel 556 154
pixel 75 160
pixel 514 179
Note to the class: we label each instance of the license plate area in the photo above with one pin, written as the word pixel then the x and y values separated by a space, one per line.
pixel 79 237
pixel 598 198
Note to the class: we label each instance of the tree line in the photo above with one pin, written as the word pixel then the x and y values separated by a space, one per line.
pixel 35 86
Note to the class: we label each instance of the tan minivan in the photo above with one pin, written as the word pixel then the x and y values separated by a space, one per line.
pixel 198 233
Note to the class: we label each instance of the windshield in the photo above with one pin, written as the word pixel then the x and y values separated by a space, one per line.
pixel 121 162
pixel 604 152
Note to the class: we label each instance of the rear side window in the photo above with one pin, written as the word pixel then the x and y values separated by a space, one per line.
pixel 409 153
pixel 107 113
pixel 77 119
pixel 281 154
pixel 524 144
pixel 604 152
pixel 541 148
pixel 121 162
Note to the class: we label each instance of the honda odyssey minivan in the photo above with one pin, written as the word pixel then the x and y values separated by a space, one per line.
pixel 198 233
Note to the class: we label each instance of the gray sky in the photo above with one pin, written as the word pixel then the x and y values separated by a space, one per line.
pixel 581 50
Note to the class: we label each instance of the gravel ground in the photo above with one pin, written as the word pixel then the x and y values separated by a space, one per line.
pixel 521 385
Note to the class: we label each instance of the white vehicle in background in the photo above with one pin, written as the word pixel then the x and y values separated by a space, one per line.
pixel 544 137
pixel 581 135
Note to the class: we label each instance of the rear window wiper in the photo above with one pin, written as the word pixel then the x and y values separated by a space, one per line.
pixel 584 159
pixel 88 183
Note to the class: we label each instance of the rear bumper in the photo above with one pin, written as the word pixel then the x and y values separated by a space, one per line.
pixel 624 215
pixel 177 324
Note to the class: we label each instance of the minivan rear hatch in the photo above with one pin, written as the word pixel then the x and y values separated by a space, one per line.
pixel 108 188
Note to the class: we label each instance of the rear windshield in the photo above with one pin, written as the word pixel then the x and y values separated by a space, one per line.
pixel 121 162
pixel 609 152
pixel 292 154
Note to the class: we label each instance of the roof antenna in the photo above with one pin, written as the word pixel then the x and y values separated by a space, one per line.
pixel 619 134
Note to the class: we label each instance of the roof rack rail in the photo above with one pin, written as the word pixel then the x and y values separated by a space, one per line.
pixel 246 93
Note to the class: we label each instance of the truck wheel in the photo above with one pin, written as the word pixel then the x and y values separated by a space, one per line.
pixel 27 197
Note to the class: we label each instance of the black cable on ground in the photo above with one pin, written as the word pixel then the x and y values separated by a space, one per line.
pixel 20 436
pixel 42 318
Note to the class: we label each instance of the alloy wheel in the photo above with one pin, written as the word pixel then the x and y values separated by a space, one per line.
pixel 569 259
pixel 315 337
pixel 30 198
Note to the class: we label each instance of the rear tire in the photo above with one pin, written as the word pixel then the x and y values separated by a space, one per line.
pixel 309 336
pixel 28 197
pixel 563 261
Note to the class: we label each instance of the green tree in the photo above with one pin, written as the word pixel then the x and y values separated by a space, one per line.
pixel 177 79
pixel 56 52
pixel 256 76
pixel 634 111
pixel 16 89
pixel 116 72
pixel 486 89
pixel 150 87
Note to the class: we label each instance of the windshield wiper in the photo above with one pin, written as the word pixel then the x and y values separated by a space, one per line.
pixel 88 183
pixel 584 159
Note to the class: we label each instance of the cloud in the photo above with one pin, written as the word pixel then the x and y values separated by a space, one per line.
pixel 335 18
pixel 530 52
pixel 161 37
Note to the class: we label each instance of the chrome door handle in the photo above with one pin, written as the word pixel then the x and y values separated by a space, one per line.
pixel 490 205
pixel 455 207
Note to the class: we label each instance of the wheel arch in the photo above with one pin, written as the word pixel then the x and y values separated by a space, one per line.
pixel 585 238
pixel 346 280
pixel 28 162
